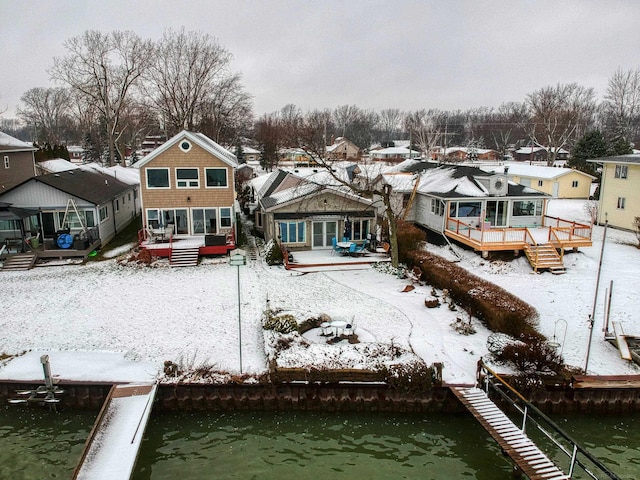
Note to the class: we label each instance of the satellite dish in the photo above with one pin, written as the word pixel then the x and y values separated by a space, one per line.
pixel 65 240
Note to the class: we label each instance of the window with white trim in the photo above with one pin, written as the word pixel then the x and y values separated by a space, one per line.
pixel 103 213
pixel 359 229
pixel 73 220
pixel 225 217
pixel 437 207
pixel 117 205
pixel 187 178
pixel 216 177
pixel 204 220
pixel 620 203
pixel 6 161
pixel 292 232
pixel 158 178
pixel 622 171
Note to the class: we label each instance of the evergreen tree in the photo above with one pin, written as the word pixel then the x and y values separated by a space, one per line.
pixel 240 153
pixel 591 145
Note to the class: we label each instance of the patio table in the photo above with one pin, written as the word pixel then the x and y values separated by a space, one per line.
pixel 344 247
pixel 338 327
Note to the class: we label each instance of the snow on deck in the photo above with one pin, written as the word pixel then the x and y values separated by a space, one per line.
pixel 112 450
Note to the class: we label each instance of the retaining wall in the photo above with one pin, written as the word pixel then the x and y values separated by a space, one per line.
pixel 374 397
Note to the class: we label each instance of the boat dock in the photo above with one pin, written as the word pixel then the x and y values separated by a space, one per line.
pixel 111 450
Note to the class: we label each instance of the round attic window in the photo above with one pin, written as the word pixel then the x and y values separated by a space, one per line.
pixel 185 145
pixel 498 184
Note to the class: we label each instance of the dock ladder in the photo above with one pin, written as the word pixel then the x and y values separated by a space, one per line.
pixel 514 440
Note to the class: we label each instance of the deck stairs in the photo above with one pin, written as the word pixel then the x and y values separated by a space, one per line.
pixel 544 256
pixel 514 442
pixel 20 261
pixel 184 257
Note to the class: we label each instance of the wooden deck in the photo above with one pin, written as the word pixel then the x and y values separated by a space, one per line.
pixel 562 234
pixel 526 455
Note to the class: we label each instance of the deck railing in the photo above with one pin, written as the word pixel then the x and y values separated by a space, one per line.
pixel 562 233
pixel 577 455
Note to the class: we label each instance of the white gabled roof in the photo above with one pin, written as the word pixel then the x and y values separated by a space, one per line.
pixel 537 171
pixel 12 144
pixel 57 165
pixel 197 138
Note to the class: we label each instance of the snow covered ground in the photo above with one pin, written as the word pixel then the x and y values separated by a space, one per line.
pixel 104 321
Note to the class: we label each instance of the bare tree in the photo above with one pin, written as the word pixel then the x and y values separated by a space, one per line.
pixel 425 128
pixel 227 112
pixel 104 68
pixel 47 109
pixel 391 123
pixel 269 134
pixel 191 87
pixel 560 114
pixel 344 116
pixel 621 105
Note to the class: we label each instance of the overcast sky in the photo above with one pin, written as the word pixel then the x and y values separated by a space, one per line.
pixel 374 54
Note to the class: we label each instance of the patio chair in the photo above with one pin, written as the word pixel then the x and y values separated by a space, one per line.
pixel 168 231
pixel 352 249
pixel 334 243
pixel 384 248
pixel 349 329
pixel 362 250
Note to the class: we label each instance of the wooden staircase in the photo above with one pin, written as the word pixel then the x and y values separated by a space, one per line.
pixel 544 256
pixel 20 261
pixel 184 257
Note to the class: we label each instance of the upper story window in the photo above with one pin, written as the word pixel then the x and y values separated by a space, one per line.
pixel 574 184
pixel 540 183
pixel 621 171
pixel 187 178
pixel 158 178
pixel 621 202
pixel 6 161
pixel 216 177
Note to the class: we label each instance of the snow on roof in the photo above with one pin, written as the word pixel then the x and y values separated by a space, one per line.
pixel 128 175
pixel 528 150
pixel 400 182
pixel 448 180
pixel 9 144
pixel 391 151
pixel 56 165
pixel 535 171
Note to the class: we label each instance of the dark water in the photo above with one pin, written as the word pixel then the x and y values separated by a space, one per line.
pixel 37 443
pixel 243 445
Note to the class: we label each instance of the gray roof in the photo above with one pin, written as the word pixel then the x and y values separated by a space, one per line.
pixel 633 158
pixel 92 186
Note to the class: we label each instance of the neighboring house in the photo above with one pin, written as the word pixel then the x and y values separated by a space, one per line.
pixel 105 205
pixel 463 154
pixel 295 157
pixel 537 154
pixel 484 211
pixel 17 161
pixel 307 212
pixel 554 181
pixel 76 154
pixel 394 154
pixel 189 183
pixel 251 156
pixel 619 190
pixel 343 149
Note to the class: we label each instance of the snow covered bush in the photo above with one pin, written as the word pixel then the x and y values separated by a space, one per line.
pixel 273 253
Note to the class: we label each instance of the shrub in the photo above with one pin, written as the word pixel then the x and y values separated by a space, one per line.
pixel 531 355
pixel 273 253
pixel 497 309
pixel 409 239
pixel 285 323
